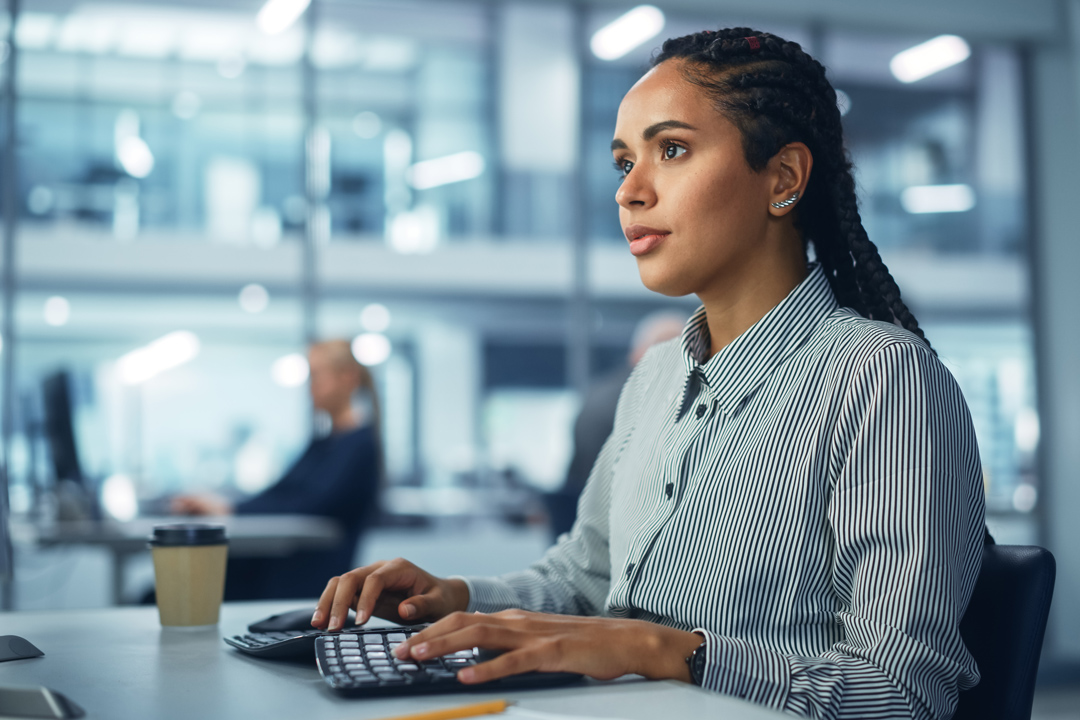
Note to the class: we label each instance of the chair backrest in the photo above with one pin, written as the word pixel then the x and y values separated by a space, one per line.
pixel 1003 629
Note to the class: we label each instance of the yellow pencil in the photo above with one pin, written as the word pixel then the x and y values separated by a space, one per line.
pixel 465 711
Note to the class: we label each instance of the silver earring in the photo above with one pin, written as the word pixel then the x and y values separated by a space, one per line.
pixel 786 203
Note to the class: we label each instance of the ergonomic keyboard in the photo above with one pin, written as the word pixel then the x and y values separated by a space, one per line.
pixel 361 662
pixel 282 644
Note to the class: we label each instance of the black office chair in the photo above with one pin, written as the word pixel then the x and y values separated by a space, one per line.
pixel 1003 629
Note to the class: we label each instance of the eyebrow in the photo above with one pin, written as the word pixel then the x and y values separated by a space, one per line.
pixel 654 130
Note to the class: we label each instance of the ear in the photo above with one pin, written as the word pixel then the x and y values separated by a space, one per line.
pixel 790 171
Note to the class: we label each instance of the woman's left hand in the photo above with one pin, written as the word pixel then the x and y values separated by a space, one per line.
pixel 603 648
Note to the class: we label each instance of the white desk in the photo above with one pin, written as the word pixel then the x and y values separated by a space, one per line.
pixel 249 536
pixel 118 663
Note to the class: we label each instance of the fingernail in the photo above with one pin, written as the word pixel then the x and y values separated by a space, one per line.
pixel 421 650
pixel 407 611
pixel 317 617
pixel 466 675
pixel 401 651
pixel 335 624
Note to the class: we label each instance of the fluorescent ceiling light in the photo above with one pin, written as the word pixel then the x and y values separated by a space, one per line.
pixel 57 311
pixel 165 353
pixel 371 348
pixel 445 170
pixel 626 32
pixel 929 57
pixel 920 199
pixel 290 370
pixel 375 318
pixel 119 497
pixel 277 15
pixel 135 156
pixel 254 298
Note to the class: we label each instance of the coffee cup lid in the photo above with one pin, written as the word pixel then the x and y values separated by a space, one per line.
pixel 181 534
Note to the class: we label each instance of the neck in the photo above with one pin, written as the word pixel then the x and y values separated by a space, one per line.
pixel 343 419
pixel 746 293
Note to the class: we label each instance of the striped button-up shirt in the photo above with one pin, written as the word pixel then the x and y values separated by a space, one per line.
pixel 809 499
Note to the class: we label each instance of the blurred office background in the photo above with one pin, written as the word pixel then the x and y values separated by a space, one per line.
pixel 431 179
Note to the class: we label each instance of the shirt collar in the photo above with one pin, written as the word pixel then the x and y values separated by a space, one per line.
pixel 736 371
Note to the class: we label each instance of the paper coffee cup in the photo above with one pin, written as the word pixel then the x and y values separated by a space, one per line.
pixel 189 573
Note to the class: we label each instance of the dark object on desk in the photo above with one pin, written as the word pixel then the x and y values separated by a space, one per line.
pixel 362 664
pixel 13 647
pixel 280 645
pixel 293 620
pixel 1003 629
pixel 336 477
pixel 39 702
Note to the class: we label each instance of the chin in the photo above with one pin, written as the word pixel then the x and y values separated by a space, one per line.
pixel 662 281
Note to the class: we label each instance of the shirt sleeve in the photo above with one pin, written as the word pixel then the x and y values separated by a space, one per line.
pixel 574 576
pixel 906 515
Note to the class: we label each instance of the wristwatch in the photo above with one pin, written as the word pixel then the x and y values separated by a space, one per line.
pixel 696 663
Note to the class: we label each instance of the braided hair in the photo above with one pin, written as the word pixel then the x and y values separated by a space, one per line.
pixel 776 94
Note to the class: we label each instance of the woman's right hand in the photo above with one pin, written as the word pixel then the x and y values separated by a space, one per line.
pixel 395 590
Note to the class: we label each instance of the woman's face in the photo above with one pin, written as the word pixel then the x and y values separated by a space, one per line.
pixel 693 211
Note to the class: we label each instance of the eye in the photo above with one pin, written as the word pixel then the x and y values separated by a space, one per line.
pixel 671 150
pixel 623 167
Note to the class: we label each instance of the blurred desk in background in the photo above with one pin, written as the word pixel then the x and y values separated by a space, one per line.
pixel 119 663
pixel 249 536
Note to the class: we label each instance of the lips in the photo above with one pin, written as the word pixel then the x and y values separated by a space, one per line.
pixel 644 239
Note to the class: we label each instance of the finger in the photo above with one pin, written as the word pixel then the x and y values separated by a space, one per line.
pixel 374 585
pixel 421 606
pixel 479 633
pixel 510 663
pixel 450 623
pixel 345 597
pixel 322 610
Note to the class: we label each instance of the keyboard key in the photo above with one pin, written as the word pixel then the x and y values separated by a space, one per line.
pixel 373 639
pixel 379 663
pixel 461 654
pixel 355 666
pixel 376 648
pixel 350 651
pixel 330 653
pixel 348 636
pixel 407 667
pixel 396 637
pixel 349 645
pixel 372 654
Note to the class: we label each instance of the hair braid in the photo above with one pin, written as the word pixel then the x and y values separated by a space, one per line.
pixel 776 94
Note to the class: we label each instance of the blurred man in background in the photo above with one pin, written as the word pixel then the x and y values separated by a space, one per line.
pixel 337 476
pixel 597 416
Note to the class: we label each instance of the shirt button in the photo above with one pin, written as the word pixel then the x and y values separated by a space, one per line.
pixel 670 489
pixel 700 410
pixel 629 571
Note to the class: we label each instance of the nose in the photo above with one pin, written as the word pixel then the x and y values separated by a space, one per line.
pixel 636 190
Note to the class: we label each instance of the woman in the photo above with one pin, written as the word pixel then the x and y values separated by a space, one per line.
pixel 789 508
pixel 337 476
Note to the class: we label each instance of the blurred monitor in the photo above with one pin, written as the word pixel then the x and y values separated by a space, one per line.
pixel 59 426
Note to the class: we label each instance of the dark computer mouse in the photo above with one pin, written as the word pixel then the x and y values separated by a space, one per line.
pixel 292 620
pixel 13 647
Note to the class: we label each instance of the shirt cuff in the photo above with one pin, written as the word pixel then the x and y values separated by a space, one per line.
pixel 734 667
pixel 488 595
